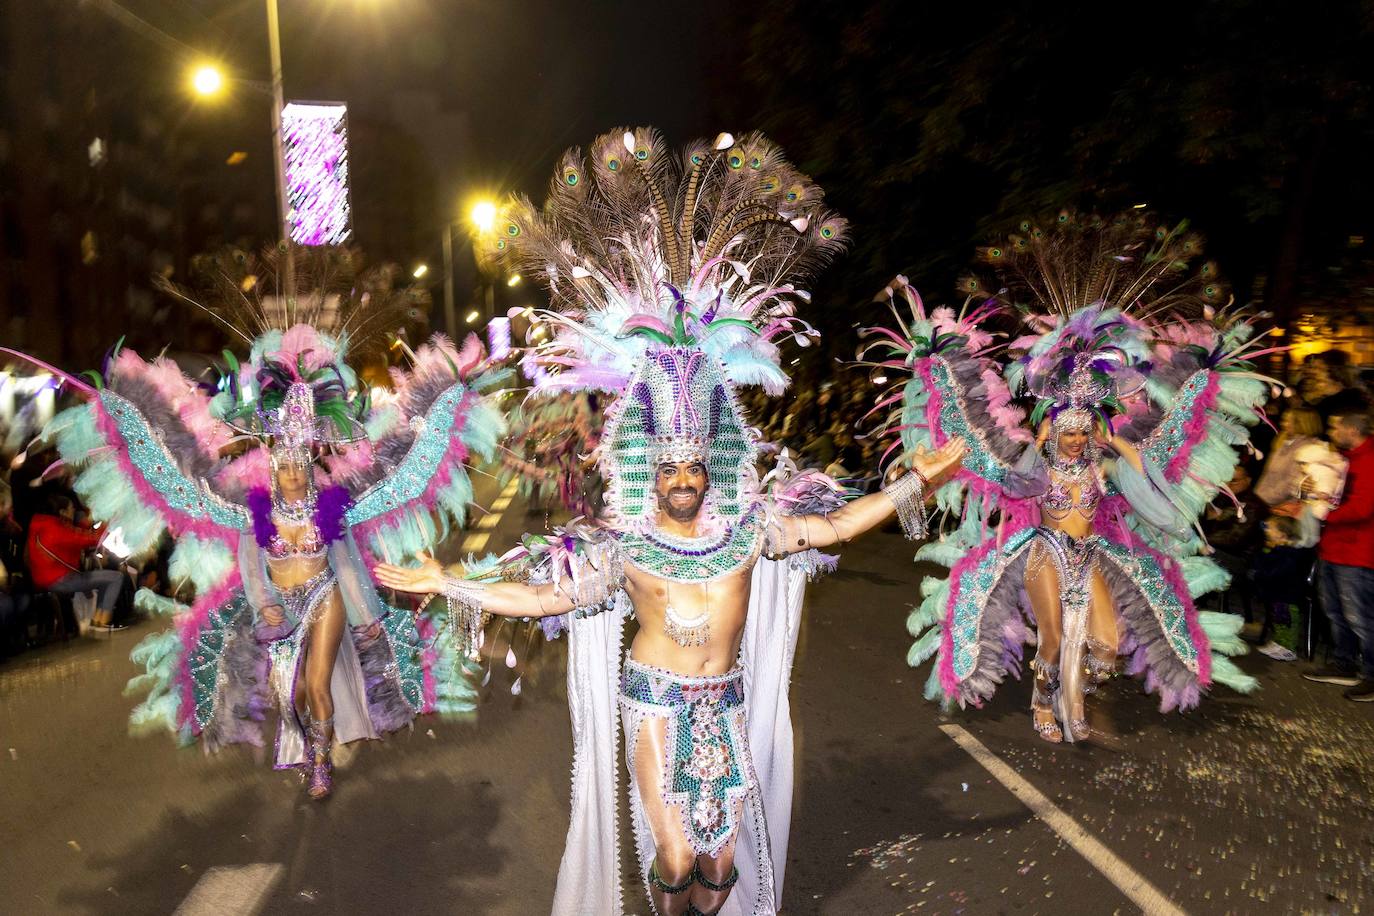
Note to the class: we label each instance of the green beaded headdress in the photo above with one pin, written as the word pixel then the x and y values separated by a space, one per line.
pixel 672 280
pixel 678 407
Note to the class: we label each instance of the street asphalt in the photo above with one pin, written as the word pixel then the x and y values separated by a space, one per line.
pixel 1259 804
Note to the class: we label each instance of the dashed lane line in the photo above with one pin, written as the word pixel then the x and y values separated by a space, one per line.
pixel 1141 892
pixel 481 532
pixel 231 891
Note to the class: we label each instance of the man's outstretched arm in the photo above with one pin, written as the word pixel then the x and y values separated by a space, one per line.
pixel 504 599
pixel 803 532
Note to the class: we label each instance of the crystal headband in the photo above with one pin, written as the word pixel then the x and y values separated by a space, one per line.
pixel 285 454
pixel 680 449
pixel 1074 418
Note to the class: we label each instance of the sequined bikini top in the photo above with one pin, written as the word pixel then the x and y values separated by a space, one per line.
pixel 1059 503
pixel 311 546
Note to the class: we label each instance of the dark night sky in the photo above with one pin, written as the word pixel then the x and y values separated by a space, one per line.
pixel 931 125
pixel 534 76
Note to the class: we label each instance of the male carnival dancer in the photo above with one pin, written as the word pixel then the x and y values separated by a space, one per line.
pixel 672 280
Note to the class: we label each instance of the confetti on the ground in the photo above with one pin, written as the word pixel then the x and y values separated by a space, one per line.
pixel 1231 802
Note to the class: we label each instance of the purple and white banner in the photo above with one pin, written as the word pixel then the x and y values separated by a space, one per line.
pixel 315 145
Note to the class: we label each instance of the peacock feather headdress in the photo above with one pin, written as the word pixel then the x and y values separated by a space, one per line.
pixel 1091 289
pixel 672 279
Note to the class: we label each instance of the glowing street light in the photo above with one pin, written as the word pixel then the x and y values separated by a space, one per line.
pixel 207 80
pixel 419 271
pixel 513 280
pixel 483 215
pixel 473 316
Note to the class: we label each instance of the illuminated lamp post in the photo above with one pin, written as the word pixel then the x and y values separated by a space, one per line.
pixel 482 215
pixel 209 80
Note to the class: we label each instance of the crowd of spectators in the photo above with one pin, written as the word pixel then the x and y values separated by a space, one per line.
pixel 58 577
pixel 822 424
pixel 1298 532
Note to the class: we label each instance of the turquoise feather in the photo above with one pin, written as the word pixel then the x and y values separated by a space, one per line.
pixel 933 690
pixel 944 552
pixel 1223 632
pixel 923 648
pixel 160 654
pixel 150 602
pixel 204 563
pixel 1224 671
pixel 1203 576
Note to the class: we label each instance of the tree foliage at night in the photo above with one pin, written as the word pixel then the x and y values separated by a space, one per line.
pixel 935 129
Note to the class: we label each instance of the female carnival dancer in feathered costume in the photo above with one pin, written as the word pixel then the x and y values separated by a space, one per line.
pixel 1083 523
pixel 673 281
pixel 277 542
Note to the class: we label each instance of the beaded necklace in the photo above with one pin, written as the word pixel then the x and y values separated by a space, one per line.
pixel 680 559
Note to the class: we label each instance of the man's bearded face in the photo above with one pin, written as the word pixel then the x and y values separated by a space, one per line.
pixel 681 489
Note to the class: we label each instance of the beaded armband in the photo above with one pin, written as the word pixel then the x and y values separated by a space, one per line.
pixel 466 616
pixel 599 572
pixel 909 497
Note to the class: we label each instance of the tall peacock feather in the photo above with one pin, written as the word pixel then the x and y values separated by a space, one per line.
pixel 1091 289
pixel 672 280
pixel 1074 261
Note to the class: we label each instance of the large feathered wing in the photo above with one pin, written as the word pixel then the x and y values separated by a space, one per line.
pixel 145 447
pixel 955 390
pixel 412 481
pixel 1202 395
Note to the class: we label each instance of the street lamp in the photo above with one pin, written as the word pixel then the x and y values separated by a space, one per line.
pixel 419 271
pixel 207 80
pixel 514 280
pixel 483 216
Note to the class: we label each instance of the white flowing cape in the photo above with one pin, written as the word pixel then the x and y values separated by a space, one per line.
pixel 589 876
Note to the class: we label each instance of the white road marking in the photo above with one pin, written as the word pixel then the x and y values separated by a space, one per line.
pixel 481 532
pixel 231 891
pixel 1142 893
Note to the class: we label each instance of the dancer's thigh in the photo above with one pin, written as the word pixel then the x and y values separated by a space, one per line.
pixel 1042 587
pixel 674 851
pixel 1102 620
pixel 326 634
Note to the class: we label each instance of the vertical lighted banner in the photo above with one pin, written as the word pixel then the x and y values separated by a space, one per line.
pixel 315 145
pixel 498 337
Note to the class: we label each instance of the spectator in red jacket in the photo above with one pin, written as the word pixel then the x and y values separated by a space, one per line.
pixel 1346 552
pixel 54 549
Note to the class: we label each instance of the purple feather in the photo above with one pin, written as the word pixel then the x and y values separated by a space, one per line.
pixel 553 625
pixel 710 315
pixel 260 505
pixel 330 507
pixel 1084 324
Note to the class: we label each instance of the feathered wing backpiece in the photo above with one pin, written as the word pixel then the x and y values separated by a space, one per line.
pixel 1123 334
pixel 157 452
